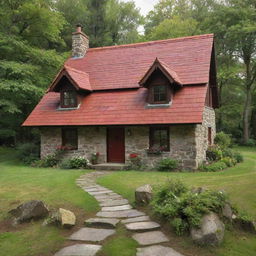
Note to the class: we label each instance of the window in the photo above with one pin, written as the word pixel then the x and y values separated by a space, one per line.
pixel 70 138
pixel 209 136
pixel 159 138
pixel 159 93
pixel 68 99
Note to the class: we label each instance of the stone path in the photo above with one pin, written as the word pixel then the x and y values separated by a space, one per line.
pixel 115 209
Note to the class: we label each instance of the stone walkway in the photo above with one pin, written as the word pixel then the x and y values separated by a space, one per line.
pixel 115 209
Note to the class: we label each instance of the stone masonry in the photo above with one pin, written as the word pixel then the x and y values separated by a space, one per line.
pixel 188 143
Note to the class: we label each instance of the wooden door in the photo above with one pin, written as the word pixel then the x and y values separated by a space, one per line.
pixel 116 145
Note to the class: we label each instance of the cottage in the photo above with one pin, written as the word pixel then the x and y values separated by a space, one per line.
pixel 155 99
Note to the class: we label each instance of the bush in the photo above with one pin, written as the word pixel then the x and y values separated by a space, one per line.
pixel 214 153
pixel 214 167
pixel 135 162
pixel 223 140
pixel 48 161
pixel 250 143
pixel 74 163
pixel 167 165
pixel 239 158
pixel 28 152
pixel 229 161
pixel 184 208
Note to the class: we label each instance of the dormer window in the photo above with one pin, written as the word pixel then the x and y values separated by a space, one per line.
pixel 160 94
pixel 68 98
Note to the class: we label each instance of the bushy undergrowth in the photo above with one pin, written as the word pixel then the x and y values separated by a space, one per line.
pixel 167 165
pixel 135 162
pixel 184 208
pixel 74 163
pixel 28 152
pixel 48 161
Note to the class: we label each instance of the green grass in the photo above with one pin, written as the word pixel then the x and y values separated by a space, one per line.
pixel 238 181
pixel 55 187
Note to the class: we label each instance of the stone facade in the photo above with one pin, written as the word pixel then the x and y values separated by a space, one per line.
pixel 188 143
pixel 80 44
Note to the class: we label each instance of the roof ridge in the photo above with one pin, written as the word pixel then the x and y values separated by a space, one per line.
pixel 151 42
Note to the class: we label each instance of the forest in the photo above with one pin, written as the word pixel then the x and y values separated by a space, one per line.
pixel 35 40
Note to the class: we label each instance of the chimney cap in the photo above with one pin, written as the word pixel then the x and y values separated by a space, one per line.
pixel 78 28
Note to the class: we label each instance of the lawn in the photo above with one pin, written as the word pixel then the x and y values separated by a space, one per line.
pixel 55 187
pixel 239 182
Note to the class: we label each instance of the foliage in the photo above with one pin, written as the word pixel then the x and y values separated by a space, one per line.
pixel 28 152
pixel 184 208
pixel 250 143
pixel 214 153
pixel 223 140
pixel 135 162
pixel 50 160
pixel 229 161
pixel 213 167
pixel 167 165
pixel 74 163
pixel 95 158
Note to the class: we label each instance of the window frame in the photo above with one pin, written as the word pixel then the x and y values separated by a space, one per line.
pixel 152 94
pixel 64 141
pixel 62 98
pixel 152 130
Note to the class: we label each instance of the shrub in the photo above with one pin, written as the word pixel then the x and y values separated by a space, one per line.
pixel 48 161
pixel 135 162
pixel 229 161
pixel 74 163
pixel 167 165
pixel 214 153
pixel 184 208
pixel 239 158
pixel 28 152
pixel 214 167
pixel 250 143
pixel 223 140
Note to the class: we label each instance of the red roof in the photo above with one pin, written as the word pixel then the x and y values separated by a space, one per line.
pixel 123 66
pixel 122 107
pixel 187 60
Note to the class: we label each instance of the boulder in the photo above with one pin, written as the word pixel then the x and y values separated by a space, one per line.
pixel 245 224
pixel 211 231
pixel 27 211
pixel 227 212
pixel 62 217
pixel 143 195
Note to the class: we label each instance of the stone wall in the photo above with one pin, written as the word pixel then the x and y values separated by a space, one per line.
pixel 188 143
pixel 202 134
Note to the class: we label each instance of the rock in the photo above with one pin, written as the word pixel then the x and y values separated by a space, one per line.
pixel 142 226
pixel 120 214
pixel 199 190
pixel 245 224
pixel 101 222
pixel 92 234
pixel 157 250
pixel 137 219
pixel 211 231
pixel 116 208
pixel 79 250
pixel 227 212
pixel 108 203
pixel 62 217
pixel 153 237
pixel 27 211
pixel 143 195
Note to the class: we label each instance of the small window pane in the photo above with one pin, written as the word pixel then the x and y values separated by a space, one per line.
pixel 159 138
pixel 69 99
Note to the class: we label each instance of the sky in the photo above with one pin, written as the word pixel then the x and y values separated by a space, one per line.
pixel 145 5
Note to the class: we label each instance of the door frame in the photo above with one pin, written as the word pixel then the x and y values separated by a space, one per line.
pixel 107 142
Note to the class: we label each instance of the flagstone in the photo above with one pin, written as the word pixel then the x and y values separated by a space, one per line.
pixel 152 237
pixel 114 202
pixel 136 219
pixel 79 250
pixel 116 208
pixel 156 250
pixel 120 214
pixel 142 226
pixel 101 222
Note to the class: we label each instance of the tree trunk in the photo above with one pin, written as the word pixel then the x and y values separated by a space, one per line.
pixel 247 116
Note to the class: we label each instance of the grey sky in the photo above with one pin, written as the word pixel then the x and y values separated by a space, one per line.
pixel 145 5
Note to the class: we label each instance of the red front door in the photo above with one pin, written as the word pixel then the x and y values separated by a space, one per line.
pixel 116 145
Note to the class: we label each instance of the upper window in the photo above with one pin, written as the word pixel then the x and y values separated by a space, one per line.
pixel 68 99
pixel 159 94
pixel 159 138
pixel 70 138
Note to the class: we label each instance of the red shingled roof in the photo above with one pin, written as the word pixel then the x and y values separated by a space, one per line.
pixel 187 60
pixel 123 66
pixel 124 107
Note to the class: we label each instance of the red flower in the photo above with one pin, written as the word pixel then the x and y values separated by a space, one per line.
pixel 134 155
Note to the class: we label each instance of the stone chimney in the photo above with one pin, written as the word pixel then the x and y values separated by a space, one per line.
pixel 80 43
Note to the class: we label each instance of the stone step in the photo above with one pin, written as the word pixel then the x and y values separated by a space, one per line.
pixel 116 208
pixel 109 166
pixel 103 198
pixel 98 193
pixel 137 219
pixel 120 214
pixel 114 202
pixel 79 250
pixel 92 234
pixel 101 223
pixel 142 226
pixel 156 250
pixel 151 237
